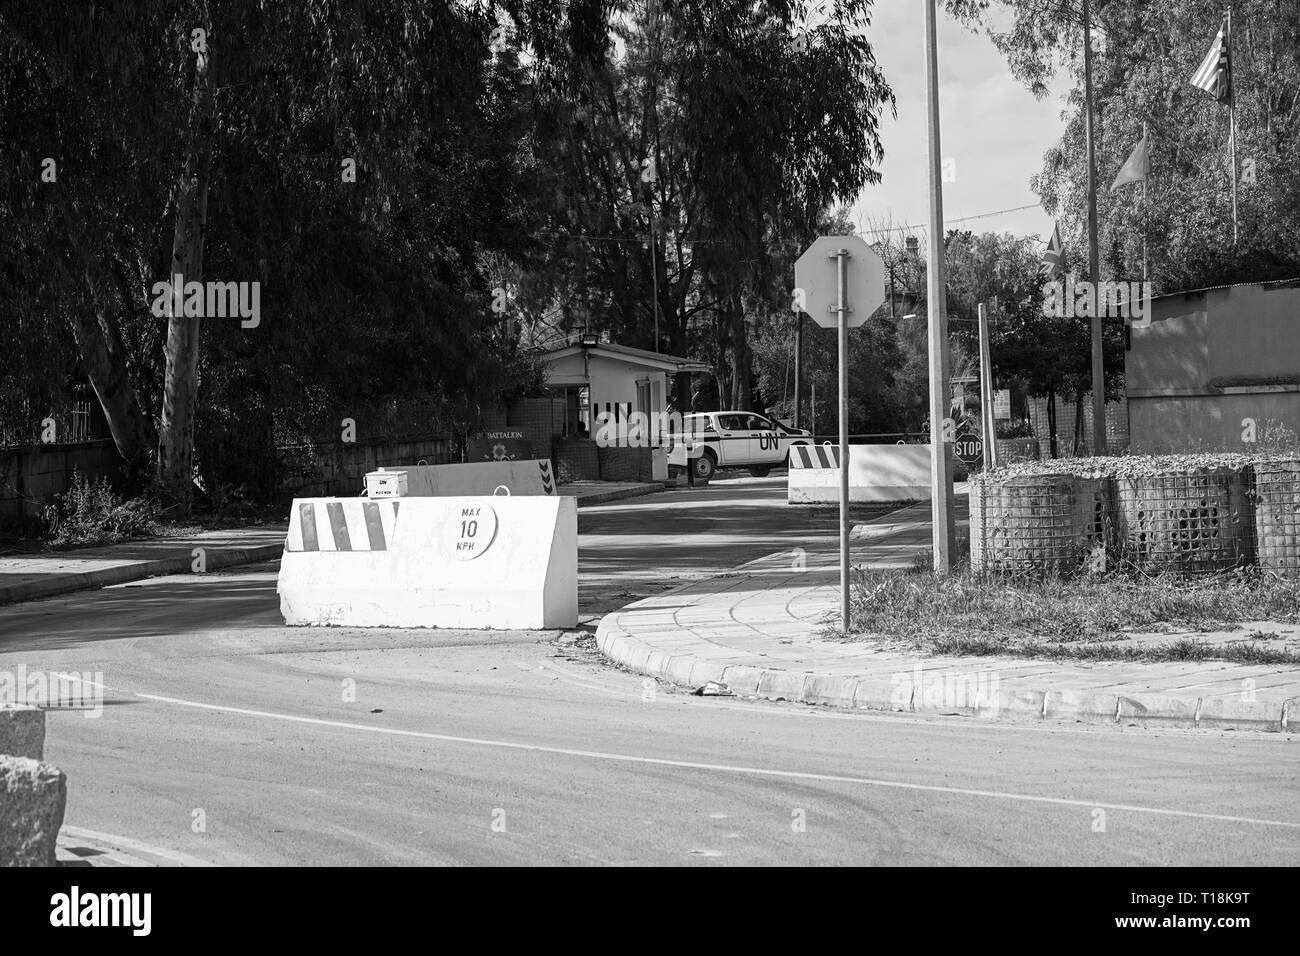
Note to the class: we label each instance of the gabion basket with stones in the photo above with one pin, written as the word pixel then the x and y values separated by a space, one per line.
pixel 1054 524
pixel 1190 522
pixel 1277 516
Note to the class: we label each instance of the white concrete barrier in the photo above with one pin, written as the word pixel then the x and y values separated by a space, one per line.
pixel 479 562
pixel 876 473
pixel 532 476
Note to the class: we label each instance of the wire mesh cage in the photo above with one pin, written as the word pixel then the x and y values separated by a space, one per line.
pixel 1044 524
pixel 1194 521
pixel 1277 516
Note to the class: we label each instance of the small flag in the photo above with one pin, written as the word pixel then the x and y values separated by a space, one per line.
pixel 1053 258
pixel 1136 168
pixel 1214 75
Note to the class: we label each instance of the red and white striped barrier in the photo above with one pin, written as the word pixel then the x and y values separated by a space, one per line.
pixel 342 524
pixel 876 473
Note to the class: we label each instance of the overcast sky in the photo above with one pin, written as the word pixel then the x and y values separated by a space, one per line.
pixel 991 126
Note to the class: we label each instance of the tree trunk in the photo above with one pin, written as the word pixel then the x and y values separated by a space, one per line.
pixel 743 377
pixel 100 347
pixel 176 438
pixel 1051 423
pixel 1079 441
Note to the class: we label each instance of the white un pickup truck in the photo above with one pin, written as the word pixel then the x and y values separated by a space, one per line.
pixel 713 440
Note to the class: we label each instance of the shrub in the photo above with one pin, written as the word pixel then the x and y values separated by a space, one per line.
pixel 1015 429
pixel 90 514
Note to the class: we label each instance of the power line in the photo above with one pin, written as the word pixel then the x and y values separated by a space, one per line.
pixel 983 215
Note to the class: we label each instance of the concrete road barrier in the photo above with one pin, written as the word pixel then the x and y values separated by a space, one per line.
pixel 528 477
pixel 876 473
pixel 478 562
pixel 22 731
pixel 33 797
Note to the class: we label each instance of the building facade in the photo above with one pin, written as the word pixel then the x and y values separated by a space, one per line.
pixel 1216 370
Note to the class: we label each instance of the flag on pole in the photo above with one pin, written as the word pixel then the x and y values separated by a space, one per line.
pixel 1053 257
pixel 1137 167
pixel 1214 75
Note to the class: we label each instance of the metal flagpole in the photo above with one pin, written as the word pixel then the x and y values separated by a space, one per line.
pixel 1098 369
pixel 1144 203
pixel 1232 126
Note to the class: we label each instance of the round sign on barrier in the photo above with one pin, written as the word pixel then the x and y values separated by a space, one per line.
pixel 500 488
pixel 471 531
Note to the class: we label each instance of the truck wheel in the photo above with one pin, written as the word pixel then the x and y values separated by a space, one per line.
pixel 705 466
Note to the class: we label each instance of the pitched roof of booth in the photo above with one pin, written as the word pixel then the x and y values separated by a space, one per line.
pixel 624 353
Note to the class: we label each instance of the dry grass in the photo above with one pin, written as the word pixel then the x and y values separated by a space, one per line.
pixel 1074 618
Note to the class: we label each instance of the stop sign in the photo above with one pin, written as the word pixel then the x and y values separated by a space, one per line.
pixel 816 279
pixel 970 449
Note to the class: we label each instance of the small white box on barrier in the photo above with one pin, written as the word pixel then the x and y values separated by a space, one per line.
pixel 478 562
pixel 386 484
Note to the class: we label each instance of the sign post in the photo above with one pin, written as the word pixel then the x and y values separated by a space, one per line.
pixel 833 274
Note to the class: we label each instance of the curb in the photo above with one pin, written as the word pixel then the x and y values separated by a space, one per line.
pixel 650 488
pixel 104 577
pixel 1169 711
pixel 877 694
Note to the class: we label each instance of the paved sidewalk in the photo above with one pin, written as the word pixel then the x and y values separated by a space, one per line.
pixel 757 630
pixel 28 577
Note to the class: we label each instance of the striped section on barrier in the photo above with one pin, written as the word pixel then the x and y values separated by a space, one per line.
pixel 815 456
pixel 347 524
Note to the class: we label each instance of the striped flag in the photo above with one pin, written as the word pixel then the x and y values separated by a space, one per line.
pixel 1053 257
pixel 1214 75
pixel 1136 168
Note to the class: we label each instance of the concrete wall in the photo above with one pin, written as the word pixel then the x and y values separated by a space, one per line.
pixel 337 469
pixel 31 475
pixel 1210 360
pixel 1210 423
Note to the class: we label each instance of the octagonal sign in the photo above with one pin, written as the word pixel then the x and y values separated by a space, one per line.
pixel 816 280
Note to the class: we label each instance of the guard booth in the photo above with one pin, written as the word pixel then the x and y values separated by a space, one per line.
pixel 614 394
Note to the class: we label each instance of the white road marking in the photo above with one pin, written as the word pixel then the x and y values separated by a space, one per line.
pixel 69 834
pixel 726 768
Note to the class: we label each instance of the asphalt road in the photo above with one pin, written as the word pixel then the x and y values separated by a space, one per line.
pixel 228 738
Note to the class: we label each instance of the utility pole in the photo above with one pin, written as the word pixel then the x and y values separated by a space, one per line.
pixel 943 533
pixel 1098 369
pixel 986 393
pixel 798 369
